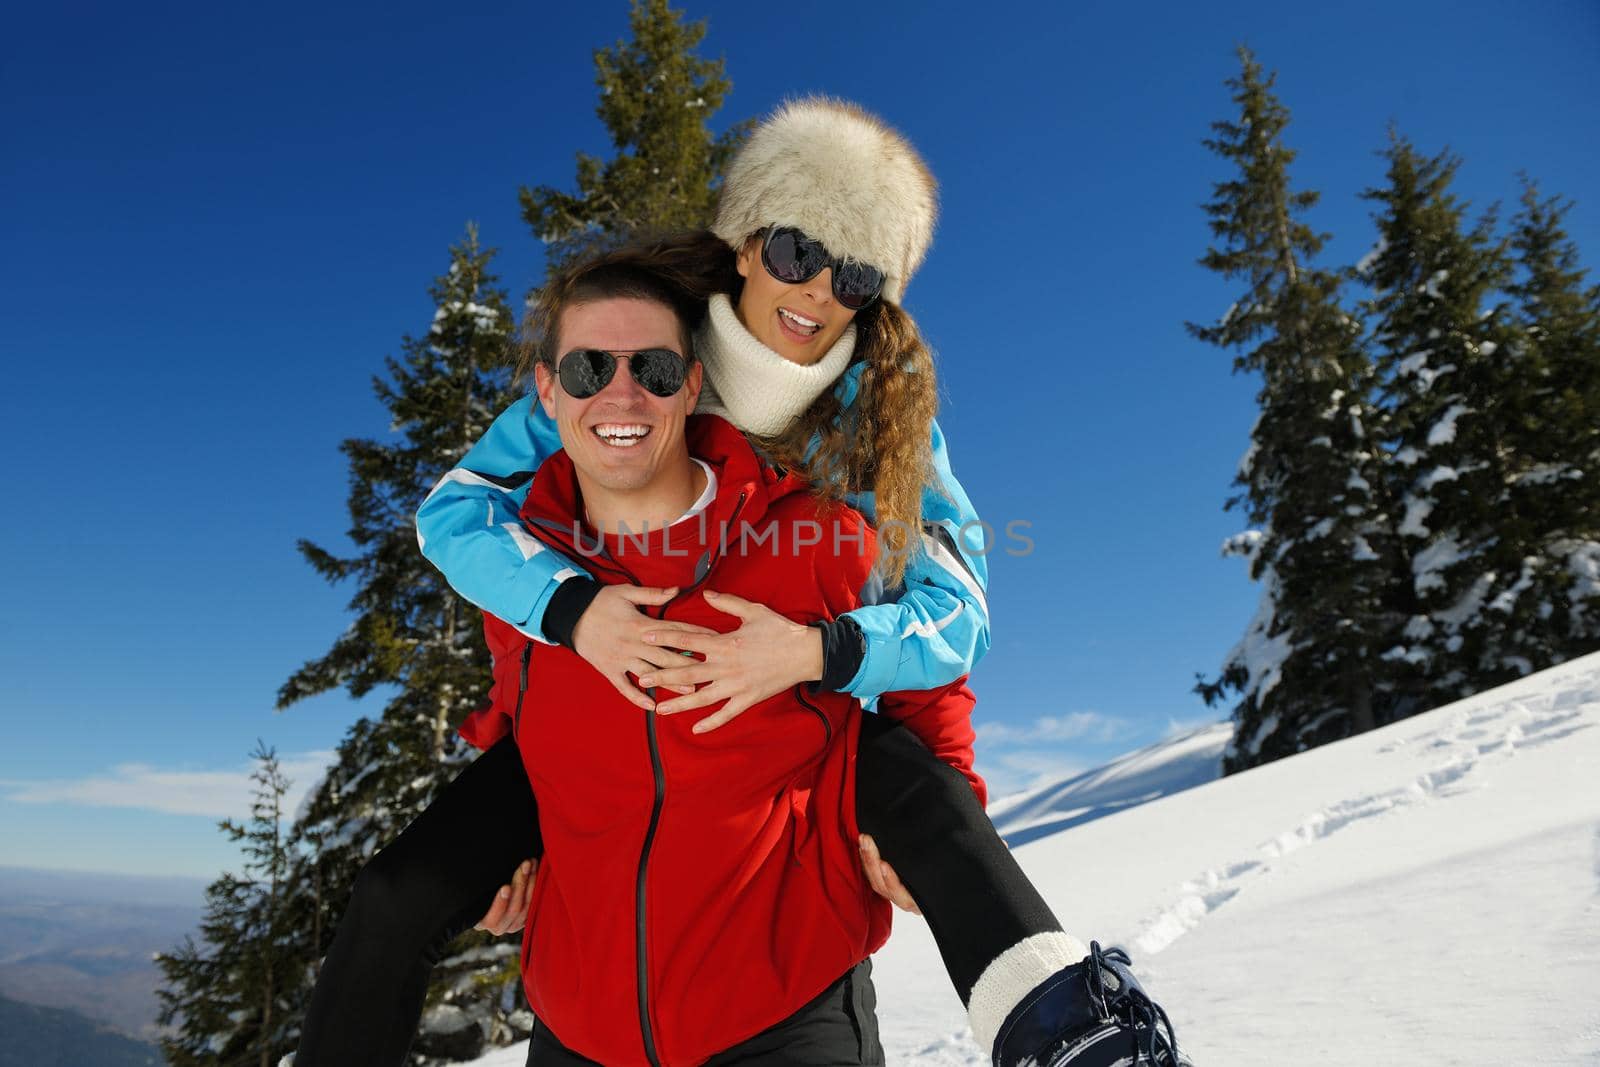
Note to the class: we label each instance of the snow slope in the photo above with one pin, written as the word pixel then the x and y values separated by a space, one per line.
pixel 1427 893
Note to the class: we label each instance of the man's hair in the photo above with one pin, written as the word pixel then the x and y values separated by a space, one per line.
pixel 679 273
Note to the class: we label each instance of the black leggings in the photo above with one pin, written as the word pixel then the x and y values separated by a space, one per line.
pixel 439 877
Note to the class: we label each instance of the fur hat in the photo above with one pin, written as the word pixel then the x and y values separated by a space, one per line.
pixel 841 175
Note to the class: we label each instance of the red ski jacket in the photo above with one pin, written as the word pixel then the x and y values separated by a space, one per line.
pixel 697 888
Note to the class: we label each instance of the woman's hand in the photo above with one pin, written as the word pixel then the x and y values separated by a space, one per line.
pixel 610 637
pixel 509 911
pixel 884 881
pixel 765 655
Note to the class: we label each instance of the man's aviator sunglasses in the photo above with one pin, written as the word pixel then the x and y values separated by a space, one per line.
pixel 792 257
pixel 586 371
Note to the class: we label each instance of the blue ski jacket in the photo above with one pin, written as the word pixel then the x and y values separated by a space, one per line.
pixel 923 635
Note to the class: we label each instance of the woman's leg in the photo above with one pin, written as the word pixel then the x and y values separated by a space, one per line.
pixel 1034 994
pixel 931 829
pixel 410 901
pixel 998 937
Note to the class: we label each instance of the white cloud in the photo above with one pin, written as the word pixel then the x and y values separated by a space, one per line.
pixel 217 794
pixel 1087 726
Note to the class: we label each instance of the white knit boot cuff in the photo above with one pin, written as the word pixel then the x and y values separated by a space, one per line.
pixel 1013 975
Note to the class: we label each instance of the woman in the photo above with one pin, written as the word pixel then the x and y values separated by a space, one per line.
pixel 830 213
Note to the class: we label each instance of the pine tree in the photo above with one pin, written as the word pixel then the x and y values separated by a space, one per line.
pixel 1310 480
pixel 656 99
pixel 1551 415
pixel 1447 355
pixel 232 995
pixel 411 631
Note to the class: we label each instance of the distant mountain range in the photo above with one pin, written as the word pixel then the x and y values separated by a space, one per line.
pixel 84 943
pixel 51 1037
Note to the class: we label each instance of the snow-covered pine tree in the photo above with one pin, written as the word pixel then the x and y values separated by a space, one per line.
pixel 230 999
pixel 1446 348
pixel 656 99
pixel 1552 434
pixel 1321 545
pixel 411 632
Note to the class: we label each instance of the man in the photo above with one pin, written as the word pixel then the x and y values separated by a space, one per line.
pixel 700 894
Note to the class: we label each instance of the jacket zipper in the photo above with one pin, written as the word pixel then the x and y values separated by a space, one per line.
pixel 640 929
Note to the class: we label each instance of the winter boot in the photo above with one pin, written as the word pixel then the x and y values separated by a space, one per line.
pixel 1092 1014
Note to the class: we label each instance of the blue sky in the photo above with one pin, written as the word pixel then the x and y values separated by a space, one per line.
pixel 218 221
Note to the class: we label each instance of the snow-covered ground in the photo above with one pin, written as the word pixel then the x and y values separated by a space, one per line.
pixel 1427 893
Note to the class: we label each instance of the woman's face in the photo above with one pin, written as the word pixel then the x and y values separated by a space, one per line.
pixel 799 322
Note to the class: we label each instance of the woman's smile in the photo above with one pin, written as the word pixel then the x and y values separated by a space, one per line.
pixel 796 326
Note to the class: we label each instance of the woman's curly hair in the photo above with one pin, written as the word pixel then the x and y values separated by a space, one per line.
pixel 882 443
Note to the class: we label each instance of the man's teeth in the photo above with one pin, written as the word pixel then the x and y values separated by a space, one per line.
pixel 804 325
pixel 622 436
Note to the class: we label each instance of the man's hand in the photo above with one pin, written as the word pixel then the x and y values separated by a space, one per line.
pixel 509 911
pixel 765 655
pixel 610 637
pixel 883 879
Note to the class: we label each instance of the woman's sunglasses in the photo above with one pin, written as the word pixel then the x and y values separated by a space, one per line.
pixel 792 257
pixel 586 371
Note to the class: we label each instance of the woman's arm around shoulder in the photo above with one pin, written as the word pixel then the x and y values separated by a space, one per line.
pixel 469 526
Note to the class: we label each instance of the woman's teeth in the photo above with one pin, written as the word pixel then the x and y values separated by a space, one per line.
pixel 800 324
pixel 622 436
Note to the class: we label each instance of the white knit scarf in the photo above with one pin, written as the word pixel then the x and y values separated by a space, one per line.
pixel 752 386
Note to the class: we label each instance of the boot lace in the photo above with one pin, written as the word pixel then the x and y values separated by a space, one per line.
pixel 1150 1029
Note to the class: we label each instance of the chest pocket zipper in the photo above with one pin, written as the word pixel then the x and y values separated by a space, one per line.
pixel 522 691
pixel 827 727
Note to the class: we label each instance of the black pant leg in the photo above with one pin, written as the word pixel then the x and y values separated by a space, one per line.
pixel 931 829
pixel 546 1050
pixel 836 1028
pixel 411 900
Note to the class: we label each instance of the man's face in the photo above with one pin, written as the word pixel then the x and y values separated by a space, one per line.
pixel 621 438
